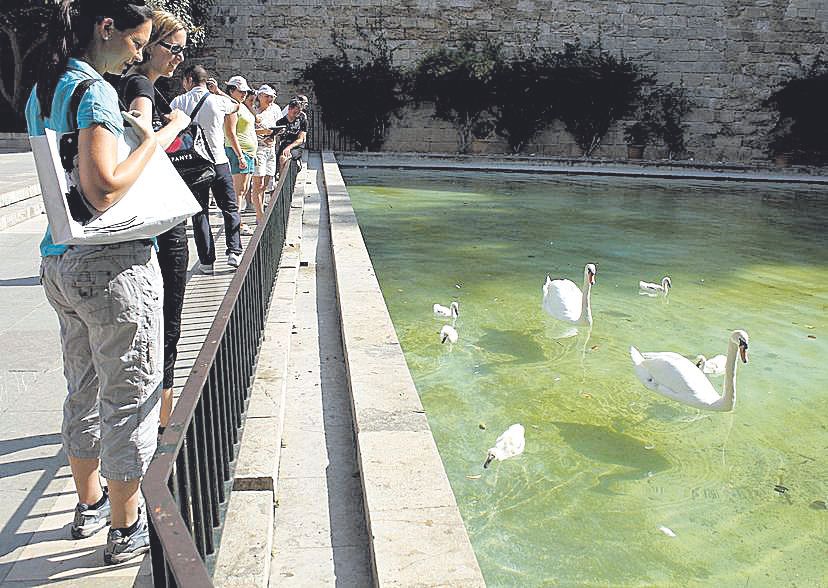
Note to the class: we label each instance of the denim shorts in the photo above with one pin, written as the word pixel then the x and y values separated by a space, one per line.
pixel 234 162
pixel 109 302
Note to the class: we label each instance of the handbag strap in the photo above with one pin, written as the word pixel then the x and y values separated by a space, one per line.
pixel 199 105
pixel 164 101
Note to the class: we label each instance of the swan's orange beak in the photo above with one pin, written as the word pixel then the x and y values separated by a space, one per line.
pixel 743 352
pixel 591 279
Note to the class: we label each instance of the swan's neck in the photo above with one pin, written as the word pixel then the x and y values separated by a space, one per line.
pixel 586 307
pixel 728 399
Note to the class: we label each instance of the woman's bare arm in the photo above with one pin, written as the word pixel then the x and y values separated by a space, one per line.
pixel 103 180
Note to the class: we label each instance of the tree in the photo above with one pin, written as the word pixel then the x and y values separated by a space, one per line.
pixel 359 96
pixel 458 80
pixel 194 13
pixel 598 90
pixel 22 35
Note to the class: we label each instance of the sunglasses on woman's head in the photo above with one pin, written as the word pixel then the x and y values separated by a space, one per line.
pixel 173 48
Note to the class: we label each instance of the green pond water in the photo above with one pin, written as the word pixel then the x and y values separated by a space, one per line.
pixel 608 462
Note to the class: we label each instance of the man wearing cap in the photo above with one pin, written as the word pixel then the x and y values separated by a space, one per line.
pixel 293 136
pixel 212 114
pixel 269 113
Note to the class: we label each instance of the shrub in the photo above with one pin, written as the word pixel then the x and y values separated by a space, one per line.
pixel 458 80
pixel 525 94
pixel 358 96
pixel 671 105
pixel 801 126
pixel 598 89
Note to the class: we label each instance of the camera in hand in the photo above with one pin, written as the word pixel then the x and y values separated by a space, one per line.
pixel 277 130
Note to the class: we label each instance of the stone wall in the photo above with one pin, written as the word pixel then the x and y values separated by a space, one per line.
pixel 730 54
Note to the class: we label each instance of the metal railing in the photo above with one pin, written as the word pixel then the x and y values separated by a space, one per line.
pixel 188 483
pixel 323 138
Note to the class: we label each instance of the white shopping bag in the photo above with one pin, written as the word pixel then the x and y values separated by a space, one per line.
pixel 156 202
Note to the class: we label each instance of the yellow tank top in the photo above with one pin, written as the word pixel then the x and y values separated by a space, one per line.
pixel 246 131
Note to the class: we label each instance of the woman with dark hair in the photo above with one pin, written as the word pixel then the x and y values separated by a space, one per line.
pixel 107 297
pixel 162 55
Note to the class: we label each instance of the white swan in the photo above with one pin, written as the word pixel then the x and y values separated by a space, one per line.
pixel 448 333
pixel 662 288
pixel 714 366
pixel 509 444
pixel 678 378
pixel 452 310
pixel 563 300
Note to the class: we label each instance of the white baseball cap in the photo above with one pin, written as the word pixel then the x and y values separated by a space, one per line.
pixel 240 83
pixel 265 89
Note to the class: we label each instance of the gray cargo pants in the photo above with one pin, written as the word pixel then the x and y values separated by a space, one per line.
pixel 109 302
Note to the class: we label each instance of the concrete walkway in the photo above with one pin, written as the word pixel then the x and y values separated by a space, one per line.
pixel 319 536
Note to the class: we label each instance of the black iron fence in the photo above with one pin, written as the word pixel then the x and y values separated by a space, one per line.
pixel 187 486
pixel 324 138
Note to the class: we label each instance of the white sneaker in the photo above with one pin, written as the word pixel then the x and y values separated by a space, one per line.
pixel 206 268
pixel 246 230
pixel 234 259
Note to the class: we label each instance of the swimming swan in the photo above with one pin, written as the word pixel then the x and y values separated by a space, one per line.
pixel 448 333
pixel 677 378
pixel 714 366
pixel 509 444
pixel 563 300
pixel 453 310
pixel 663 288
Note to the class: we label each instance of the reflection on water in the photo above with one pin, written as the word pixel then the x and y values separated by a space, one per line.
pixel 608 462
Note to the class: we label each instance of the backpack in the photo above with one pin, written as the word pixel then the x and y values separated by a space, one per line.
pixel 189 152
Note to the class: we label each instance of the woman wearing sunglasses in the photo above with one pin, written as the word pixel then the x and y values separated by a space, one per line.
pixel 162 55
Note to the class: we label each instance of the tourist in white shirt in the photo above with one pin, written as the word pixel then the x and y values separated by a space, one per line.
pixel 211 117
pixel 266 160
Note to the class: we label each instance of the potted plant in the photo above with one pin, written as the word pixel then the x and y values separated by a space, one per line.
pixel 637 135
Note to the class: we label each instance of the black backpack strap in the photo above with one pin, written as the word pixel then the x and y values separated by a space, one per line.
pixel 199 105
pixel 74 102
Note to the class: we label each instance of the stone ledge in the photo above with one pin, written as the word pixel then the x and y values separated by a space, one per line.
pixel 21 211
pixel 663 169
pixel 244 554
pixel 417 536
pixel 258 463
pixel 19 194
